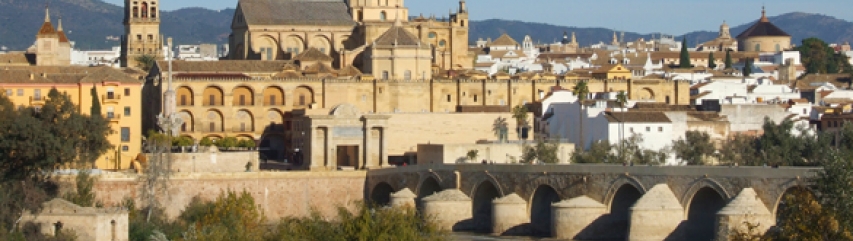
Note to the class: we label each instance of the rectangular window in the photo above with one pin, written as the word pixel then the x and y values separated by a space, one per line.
pixel 242 100
pixel 37 94
pixel 448 98
pixel 475 98
pixel 125 134
pixel 648 129
pixel 126 111
pixel 139 37
pixel 123 149
pixel 212 127
pixel 20 92
pixel 272 100
pixel 301 100
pixel 212 100
pixel 660 129
pixel 126 91
pixel 111 95
pixel 183 100
pixel 9 92
pixel 242 127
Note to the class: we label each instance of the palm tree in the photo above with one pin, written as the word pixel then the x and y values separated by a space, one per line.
pixel 581 90
pixel 622 99
pixel 519 113
pixel 145 62
pixel 499 128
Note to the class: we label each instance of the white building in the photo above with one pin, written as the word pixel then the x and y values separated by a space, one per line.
pixel 96 57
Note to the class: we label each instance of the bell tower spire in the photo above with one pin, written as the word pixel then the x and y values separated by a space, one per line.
pixel 47 12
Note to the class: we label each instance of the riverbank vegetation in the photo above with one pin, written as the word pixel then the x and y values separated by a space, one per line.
pixel 235 216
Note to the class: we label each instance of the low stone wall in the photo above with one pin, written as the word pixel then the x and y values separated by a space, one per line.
pixel 278 194
pixel 502 153
pixel 215 162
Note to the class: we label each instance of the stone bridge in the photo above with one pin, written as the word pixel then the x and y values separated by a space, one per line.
pixel 591 202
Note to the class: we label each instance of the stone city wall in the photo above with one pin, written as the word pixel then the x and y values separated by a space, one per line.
pixel 214 162
pixel 278 194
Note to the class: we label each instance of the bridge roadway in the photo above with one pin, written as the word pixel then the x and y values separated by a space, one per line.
pixel 685 202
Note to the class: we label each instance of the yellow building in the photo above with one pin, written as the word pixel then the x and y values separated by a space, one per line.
pixel 764 36
pixel 344 30
pixel 118 93
pixel 613 71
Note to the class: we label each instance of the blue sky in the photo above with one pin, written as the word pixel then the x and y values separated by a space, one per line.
pixel 644 16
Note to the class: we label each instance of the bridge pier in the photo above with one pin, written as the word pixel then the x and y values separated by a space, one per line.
pixel 656 216
pixel 403 199
pixel 509 215
pixel 575 218
pixel 747 207
pixel 449 210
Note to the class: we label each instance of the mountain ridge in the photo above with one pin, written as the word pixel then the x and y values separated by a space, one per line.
pixel 20 20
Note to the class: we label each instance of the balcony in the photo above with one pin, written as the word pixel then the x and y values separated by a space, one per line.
pixel 36 100
pixel 112 117
pixel 111 98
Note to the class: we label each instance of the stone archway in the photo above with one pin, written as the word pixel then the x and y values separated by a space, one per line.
pixel 381 194
pixel 620 210
pixel 540 209
pixel 702 213
pixel 481 207
pixel 428 186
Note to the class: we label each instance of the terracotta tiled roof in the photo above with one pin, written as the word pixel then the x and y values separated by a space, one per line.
pixel 288 75
pixel 296 12
pixel 762 28
pixel 312 54
pixel 398 36
pixel 637 117
pixel 319 68
pixel 16 59
pixel 504 40
pixel 53 74
pixel 234 66
pixel 62 37
pixel 349 71
pixel 46 28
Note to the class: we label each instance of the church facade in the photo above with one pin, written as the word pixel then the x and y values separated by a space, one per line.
pixel 347 31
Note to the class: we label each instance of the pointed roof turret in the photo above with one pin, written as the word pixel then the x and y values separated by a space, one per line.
pixel 62 37
pixel 574 39
pixel 46 27
pixel 397 36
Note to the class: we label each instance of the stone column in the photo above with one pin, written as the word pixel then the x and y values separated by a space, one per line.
pixel 383 162
pixel 331 150
pixel 509 213
pixel 572 218
pixel 655 216
pixel 316 137
pixel 403 199
pixel 745 208
pixel 447 209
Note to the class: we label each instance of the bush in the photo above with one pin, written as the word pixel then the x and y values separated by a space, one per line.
pixel 246 143
pixel 183 141
pixel 227 142
pixel 206 142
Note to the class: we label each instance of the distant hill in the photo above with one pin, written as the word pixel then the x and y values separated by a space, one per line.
pixel 93 24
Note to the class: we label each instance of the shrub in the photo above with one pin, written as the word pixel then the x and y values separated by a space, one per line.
pixel 183 141
pixel 227 142
pixel 246 143
pixel 206 142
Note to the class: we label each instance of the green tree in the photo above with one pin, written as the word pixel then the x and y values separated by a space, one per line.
pixel 581 91
pixel 96 103
pixel 728 59
pixel 145 62
pixel 84 194
pixel 520 114
pixel 739 150
pixel 694 147
pixel 803 217
pixel 206 141
pixel 712 62
pixel 747 68
pixel 684 60
pixel 472 155
pixel 599 152
pixel 227 142
pixel 546 151
pixel 232 216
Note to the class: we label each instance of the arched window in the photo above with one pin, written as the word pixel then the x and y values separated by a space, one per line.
pixel 153 12
pixel 442 43
pixel 778 48
pixel 383 16
pixel 144 9
pixel 135 12
pixel 385 75
pixel 757 47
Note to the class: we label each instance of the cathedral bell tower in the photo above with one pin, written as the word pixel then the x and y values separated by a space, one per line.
pixel 141 32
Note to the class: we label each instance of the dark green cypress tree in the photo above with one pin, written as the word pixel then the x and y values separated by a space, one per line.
pixel 747 68
pixel 712 63
pixel 96 103
pixel 728 59
pixel 684 62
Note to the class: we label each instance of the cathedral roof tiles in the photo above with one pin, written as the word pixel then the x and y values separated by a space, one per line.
pixel 313 54
pixel 296 12
pixel 504 40
pixel 398 36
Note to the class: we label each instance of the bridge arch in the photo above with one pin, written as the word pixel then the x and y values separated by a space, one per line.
pixel 429 185
pixel 617 185
pixel 381 194
pixel 619 206
pixel 789 189
pixel 691 192
pixel 702 211
pixel 540 208
pixel 482 196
